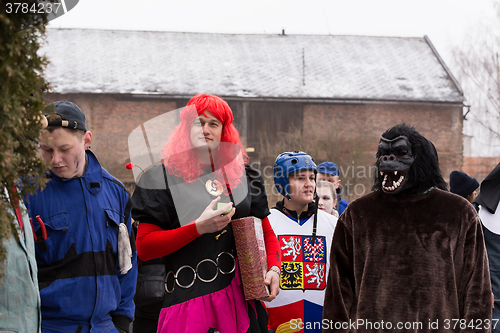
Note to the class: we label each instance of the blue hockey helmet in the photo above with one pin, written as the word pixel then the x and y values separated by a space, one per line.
pixel 288 163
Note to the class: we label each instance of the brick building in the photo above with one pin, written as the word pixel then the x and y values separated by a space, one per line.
pixel 478 167
pixel 331 96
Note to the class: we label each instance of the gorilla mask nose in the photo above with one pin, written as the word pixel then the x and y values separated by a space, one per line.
pixel 387 158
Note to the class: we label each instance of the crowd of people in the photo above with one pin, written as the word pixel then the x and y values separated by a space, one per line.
pixel 90 257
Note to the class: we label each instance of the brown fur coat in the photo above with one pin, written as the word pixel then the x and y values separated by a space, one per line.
pixel 416 260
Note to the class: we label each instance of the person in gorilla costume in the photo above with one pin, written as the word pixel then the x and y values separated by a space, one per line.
pixel 409 256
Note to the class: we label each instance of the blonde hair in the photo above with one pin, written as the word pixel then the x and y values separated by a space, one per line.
pixel 324 183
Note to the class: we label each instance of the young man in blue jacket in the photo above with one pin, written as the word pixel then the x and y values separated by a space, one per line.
pixel 84 250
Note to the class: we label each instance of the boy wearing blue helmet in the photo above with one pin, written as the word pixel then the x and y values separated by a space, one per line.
pixel 305 235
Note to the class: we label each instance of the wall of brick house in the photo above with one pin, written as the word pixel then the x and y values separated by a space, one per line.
pixel 478 167
pixel 358 127
pixel 111 118
pixel 349 133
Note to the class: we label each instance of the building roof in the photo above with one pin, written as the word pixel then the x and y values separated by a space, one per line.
pixel 320 67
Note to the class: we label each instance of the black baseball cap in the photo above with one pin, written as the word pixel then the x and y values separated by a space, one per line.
pixel 72 116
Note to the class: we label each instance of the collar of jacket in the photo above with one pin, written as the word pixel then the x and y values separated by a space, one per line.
pixel 280 205
pixel 92 176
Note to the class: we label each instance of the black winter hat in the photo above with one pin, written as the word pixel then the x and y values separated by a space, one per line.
pixel 462 184
pixel 72 116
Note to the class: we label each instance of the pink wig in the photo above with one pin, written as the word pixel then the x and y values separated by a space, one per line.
pixel 178 153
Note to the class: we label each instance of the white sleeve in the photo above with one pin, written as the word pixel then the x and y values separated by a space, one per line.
pixel 490 221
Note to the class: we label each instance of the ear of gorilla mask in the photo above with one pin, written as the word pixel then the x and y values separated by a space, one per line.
pixel 394 163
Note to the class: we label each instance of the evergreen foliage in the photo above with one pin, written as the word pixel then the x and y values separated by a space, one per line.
pixel 21 104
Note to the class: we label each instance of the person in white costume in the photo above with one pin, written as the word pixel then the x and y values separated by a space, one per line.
pixel 305 235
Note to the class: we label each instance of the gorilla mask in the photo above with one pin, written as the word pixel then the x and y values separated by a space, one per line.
pixel 394 163
pixel 407 163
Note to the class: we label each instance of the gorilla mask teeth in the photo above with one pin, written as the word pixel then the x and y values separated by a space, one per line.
pixel 396 184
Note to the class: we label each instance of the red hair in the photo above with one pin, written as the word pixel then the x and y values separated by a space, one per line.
pixel 178 153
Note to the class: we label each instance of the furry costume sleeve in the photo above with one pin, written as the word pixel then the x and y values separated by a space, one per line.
pixel 340 287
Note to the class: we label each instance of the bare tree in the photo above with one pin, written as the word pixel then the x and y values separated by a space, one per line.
pixel 477 67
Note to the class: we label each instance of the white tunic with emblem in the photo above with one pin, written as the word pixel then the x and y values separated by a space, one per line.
pixel 304 268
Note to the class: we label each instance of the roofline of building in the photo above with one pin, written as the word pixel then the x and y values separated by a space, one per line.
pixel 280 34
pixel 301 100
pixel 271 99
pixel 441 61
